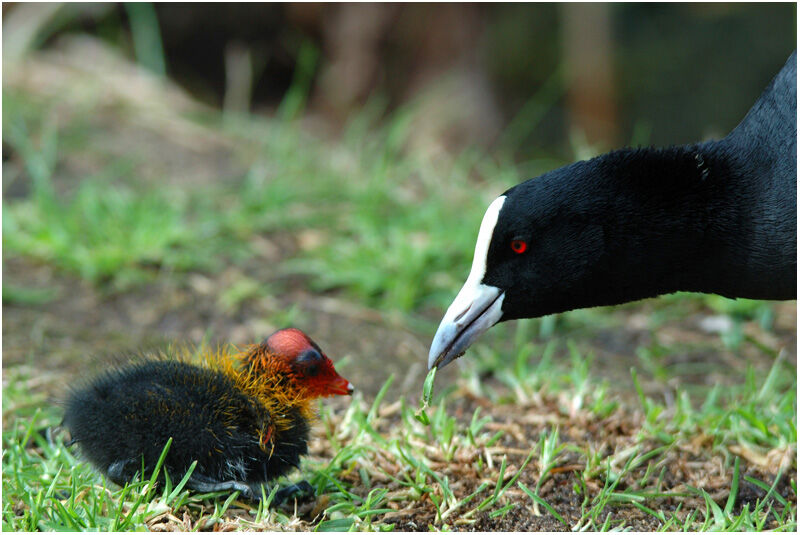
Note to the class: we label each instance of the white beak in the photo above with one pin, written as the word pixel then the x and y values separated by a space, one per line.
pixel 477 306
pixel 474 310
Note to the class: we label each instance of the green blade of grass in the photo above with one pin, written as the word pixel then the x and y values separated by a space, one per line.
pixel 734 488
pixel 542 502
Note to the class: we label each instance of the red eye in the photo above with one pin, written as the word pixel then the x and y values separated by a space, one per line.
pixel 519 246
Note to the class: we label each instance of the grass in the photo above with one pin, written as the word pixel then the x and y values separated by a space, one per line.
pixel 47 489
pixel 528 437
pixel 103 231
pixel 381 459
pixel 370 205
pixel 364 208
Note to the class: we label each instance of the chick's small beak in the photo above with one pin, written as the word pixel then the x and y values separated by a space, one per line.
pixel 340 387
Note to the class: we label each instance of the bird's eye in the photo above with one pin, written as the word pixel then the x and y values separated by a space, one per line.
pixel 309 356
pixel 519 246
pixel 308 363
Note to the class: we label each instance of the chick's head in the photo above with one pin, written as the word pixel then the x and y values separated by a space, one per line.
pixel 294 355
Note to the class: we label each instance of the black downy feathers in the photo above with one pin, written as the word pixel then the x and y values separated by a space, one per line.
pixel 244 427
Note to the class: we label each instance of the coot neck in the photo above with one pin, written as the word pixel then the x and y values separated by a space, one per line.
pixel 670 221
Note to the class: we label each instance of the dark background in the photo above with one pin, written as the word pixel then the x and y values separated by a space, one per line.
pixel 629 73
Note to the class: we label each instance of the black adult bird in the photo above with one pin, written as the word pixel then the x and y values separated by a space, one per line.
pixel 714 217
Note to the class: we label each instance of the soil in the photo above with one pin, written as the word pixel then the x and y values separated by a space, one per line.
pixel 83 326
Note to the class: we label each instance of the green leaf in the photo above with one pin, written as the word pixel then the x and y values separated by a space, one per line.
pixel 340 524
pixel 541 502
pixel 427 394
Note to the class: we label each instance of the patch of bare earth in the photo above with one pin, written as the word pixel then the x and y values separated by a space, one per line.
pixel 690 464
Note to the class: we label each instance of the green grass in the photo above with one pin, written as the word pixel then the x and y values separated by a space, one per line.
pixel 369 206
pixel 392 230
pixel 47 489
pixel 105 231
pixel 381 458
pixel 387 227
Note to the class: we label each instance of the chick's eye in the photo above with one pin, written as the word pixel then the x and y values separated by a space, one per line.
pixel 519 246
pixel 308 363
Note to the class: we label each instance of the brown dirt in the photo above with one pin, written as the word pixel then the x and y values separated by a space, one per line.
pixel 83 324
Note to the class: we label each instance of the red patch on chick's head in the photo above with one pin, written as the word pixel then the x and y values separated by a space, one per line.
pixel 289 342
pixel 306 364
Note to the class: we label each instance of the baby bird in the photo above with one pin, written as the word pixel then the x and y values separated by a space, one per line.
pixel 245 418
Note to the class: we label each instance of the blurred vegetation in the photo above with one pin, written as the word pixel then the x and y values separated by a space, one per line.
pixel 114 232
pixel 681 72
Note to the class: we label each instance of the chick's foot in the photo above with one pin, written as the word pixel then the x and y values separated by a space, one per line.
pixel 301 489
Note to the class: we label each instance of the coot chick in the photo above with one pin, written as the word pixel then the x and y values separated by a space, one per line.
pixel 245 418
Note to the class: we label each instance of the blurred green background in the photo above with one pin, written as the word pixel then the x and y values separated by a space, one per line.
pixel 616 73
pixel 215 171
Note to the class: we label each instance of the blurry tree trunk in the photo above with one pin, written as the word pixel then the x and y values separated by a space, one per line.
pixel 352 37
pixel 587 58
pixel 238 78
pixel 423 52
pixel 447 77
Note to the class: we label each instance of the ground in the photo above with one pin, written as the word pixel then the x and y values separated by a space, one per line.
pixel 672 413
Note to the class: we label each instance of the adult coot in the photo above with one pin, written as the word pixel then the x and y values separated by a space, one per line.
pixel 716 217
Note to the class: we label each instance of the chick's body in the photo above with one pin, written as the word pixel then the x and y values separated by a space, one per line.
pixel 244 418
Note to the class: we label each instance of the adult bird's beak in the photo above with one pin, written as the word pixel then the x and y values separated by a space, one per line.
pixel 476 308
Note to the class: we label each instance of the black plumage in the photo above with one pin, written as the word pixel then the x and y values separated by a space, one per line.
pixel 130 413
pixel 715 217
pixel 244 425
